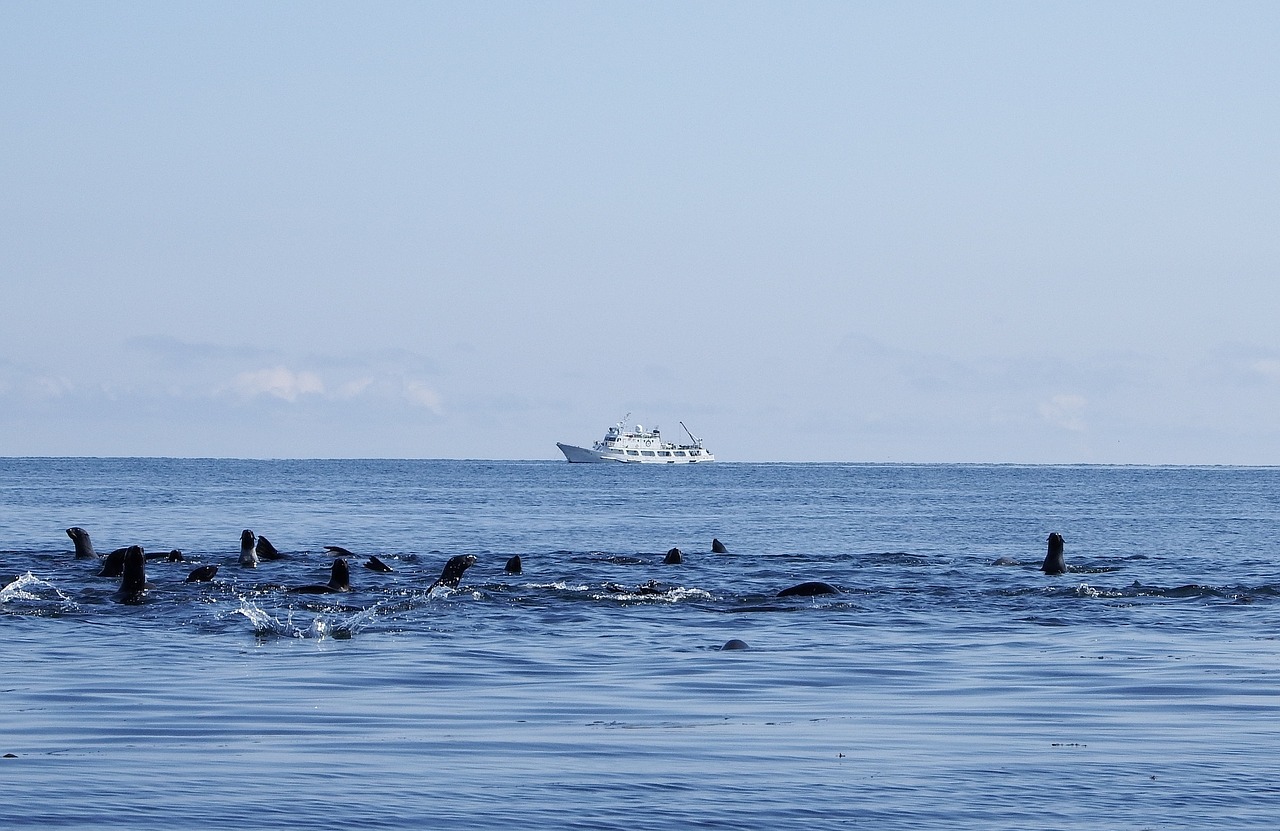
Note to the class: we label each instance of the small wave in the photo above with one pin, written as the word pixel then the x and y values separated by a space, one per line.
pixel 670 594
pixel 267 625
pixel 29 589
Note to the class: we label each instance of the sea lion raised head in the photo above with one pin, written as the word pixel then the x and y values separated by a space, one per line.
pixel 453 571
pixel 84 545
pixel 134 577
pixel 248 556
pixel 1054 562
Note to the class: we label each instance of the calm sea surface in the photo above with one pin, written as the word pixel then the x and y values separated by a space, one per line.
pixel 950 684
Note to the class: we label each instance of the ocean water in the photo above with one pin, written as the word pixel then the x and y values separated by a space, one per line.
pixel 950 684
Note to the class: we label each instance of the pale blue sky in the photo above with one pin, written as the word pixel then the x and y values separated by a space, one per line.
pixel 1004 232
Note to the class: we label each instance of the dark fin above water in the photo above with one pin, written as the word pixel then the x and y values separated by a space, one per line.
pixel 265 550
pixel 674 557
pixel 374 564
pixel 717 547
pixel 514 566
pixel 339 581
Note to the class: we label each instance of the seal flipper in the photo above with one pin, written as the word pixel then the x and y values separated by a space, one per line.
pixel 339 581
pixel 374 564
pixel 265 550
pixel 717 547
pixel 514 566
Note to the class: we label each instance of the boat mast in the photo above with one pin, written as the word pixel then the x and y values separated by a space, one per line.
pixel 697 441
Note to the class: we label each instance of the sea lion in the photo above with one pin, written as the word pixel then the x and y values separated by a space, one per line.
pixel 734 643
pixel 338 551
pixel 514 566
pixel 84 545
pixel 674 557
pixel 453 571
pixel 1054 563
pixel 265 550
pixel 133 580
pixel 248 555
pixel 174 556
pixel 202 574
pixel 374 564
pixel 113 563
pixel 809 589
pixel 339 581
pixel 717 547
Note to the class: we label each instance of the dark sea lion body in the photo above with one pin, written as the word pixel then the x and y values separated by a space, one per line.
pixel 202 574
pixel 133 580
pixel 339 581
pixel 809 589
pixel 1054 562
pixel 734 643
pixel 674 557
pixel 453 571
pixel 717 547
pixel 514 566
pixel 84 545
pixel 113 563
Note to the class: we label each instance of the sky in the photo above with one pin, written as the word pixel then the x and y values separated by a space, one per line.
pixel 1001 232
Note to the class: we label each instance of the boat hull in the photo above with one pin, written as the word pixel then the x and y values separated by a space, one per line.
pixel 582 455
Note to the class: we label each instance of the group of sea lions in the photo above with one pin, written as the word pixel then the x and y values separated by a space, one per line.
pixel 129 564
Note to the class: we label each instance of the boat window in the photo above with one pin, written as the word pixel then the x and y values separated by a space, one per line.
pixel 695 452
pixel 633 452
pixel 679 452
pixel 664 452
pixel 646 453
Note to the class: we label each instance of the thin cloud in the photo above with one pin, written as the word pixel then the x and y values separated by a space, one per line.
pixel 278 382
pixel 421 395
pixel 1065 411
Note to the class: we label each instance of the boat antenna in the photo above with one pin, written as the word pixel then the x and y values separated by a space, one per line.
pixel 692 437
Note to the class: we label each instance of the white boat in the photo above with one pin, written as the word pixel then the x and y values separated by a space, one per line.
pixel 638 446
